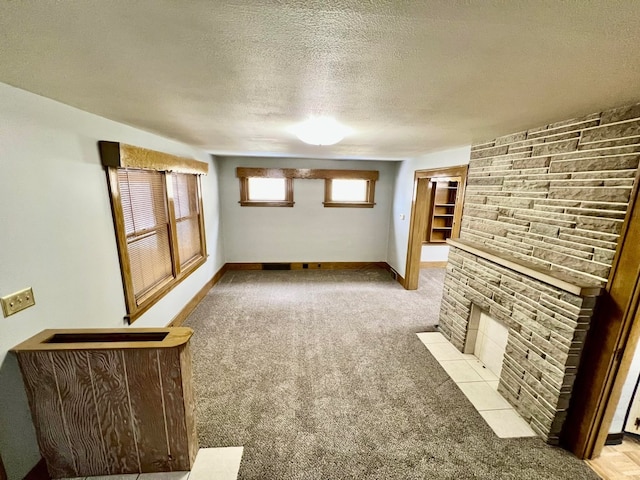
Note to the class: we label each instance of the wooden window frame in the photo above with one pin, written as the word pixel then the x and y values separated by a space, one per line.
pixel 245 200
pixel 328 194
pixel 116 156
pixel 244 173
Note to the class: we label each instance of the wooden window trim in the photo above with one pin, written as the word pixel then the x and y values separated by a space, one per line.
pixel 121 155
pixel 244 173
pixel 246 202
pixel 369 203
pixel 306 173
pixel 136 308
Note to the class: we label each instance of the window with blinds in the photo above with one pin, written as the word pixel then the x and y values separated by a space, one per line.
pixel 187 213
pixel 147 229
pixel 160 231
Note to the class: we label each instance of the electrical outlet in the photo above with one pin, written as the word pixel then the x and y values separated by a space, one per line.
pixel 17 301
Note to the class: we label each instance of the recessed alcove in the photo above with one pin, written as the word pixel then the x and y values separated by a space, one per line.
pixel 486 339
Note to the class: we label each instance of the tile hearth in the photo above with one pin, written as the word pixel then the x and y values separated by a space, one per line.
pixel 479 385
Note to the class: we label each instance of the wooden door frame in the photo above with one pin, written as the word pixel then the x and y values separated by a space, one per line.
pixel 420 206
pixel 610 345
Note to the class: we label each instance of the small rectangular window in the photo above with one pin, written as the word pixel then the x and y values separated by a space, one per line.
pixel 341 192
pixel 266 191
pixel 348 190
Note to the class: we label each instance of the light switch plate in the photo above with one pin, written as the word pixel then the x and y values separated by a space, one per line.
pixel 17 301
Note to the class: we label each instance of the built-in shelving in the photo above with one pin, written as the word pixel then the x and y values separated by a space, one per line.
pixel 443 221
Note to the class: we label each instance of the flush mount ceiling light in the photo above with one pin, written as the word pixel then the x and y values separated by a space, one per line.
pixel 321 131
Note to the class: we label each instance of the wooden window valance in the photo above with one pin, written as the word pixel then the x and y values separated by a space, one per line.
pixel 121 155
pixel 306 173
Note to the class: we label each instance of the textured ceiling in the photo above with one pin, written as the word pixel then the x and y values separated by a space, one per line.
pixel 408 76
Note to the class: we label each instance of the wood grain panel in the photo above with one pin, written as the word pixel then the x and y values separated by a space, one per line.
pixel 78 407
pixel 189 402
pixel 145 395
pixel 42 392
pixel 171 379
pixel 100 411
pixel 112 409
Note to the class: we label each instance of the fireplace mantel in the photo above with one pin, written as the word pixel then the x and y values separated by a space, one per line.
pixel 557 279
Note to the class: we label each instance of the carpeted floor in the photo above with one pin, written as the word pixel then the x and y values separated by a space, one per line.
pixel 319 375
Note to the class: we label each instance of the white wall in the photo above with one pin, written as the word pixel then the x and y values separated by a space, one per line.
pixel 434 253
pixel 403 194
pixel 307 232
pixel 56 235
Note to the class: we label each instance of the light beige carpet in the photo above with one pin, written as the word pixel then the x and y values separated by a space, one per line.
pixel 319 375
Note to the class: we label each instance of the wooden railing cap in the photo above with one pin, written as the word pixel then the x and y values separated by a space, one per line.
pixel 119 338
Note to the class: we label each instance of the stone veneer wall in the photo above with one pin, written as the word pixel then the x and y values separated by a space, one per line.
pixel 547 328
pixel 556 197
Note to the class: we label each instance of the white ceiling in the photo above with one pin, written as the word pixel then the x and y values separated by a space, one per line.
pixel 408 76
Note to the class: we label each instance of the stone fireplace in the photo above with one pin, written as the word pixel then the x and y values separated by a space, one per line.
pixel 542 215
pixel 546 317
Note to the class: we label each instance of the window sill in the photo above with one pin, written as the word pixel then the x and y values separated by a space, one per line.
pixel 155 297
pixel 266 204
pixel 348 204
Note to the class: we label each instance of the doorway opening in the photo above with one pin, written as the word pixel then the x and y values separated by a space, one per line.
pixel 436 215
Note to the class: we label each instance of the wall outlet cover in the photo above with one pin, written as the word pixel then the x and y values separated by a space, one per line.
pixel 17 301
